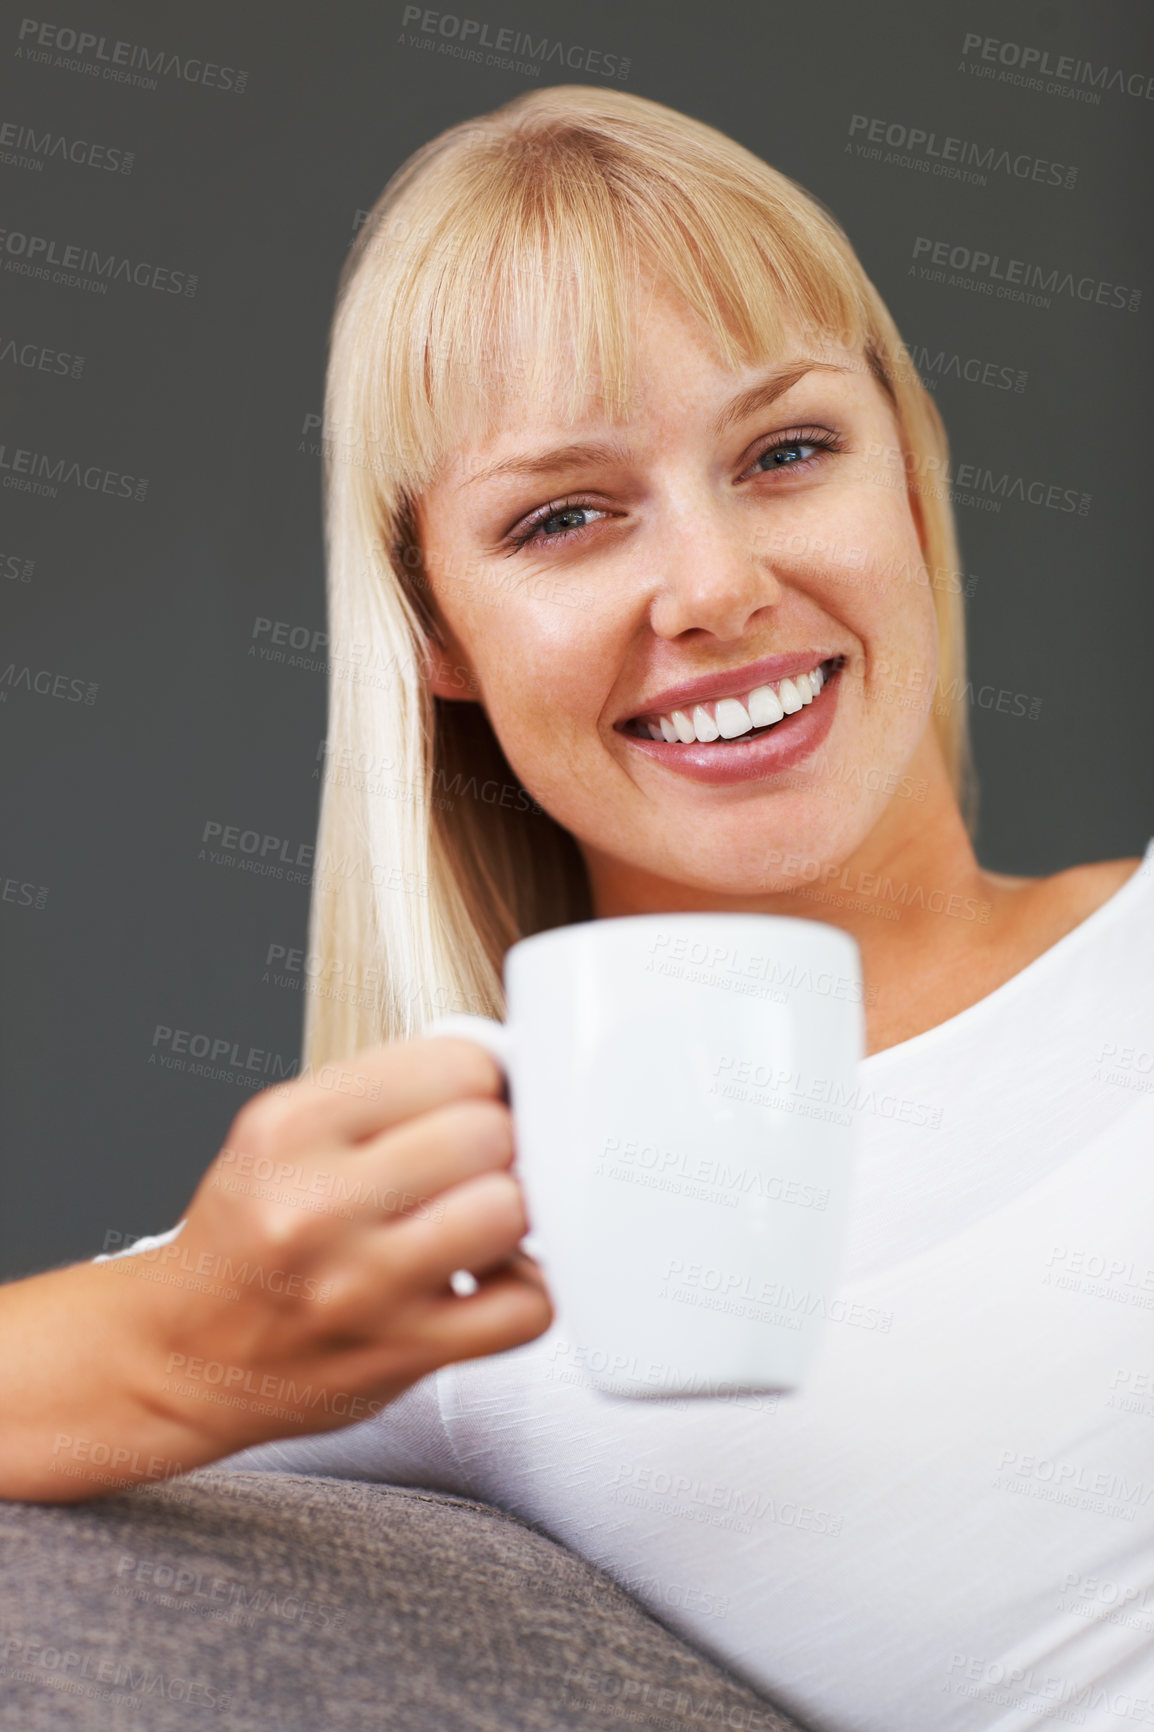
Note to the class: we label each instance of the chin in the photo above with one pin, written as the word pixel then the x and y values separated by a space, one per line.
pixel 774 847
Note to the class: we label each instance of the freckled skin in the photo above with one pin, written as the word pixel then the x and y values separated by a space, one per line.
pixel 692 557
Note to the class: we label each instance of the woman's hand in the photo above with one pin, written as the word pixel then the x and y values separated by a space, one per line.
pixel 309 1286
pixel 310 1283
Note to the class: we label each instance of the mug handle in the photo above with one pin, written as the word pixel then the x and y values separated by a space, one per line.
pixel 497 1039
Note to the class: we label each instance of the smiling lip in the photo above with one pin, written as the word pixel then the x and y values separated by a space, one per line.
pixel 750 757
pixel 732 684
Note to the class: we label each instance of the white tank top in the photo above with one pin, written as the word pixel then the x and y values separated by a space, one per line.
pixel 951 1528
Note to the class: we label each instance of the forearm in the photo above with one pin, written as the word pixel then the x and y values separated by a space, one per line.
pixel 83 1412
pixel 272 1320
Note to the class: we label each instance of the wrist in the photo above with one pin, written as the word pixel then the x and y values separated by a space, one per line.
pixel 174 1370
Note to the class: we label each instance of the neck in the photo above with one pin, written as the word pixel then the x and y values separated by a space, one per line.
pixel 911 893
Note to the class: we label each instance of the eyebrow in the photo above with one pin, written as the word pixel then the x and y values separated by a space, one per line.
pixel 758 396
pixel 769 390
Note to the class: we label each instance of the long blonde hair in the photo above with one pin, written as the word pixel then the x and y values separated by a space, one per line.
pixel 534 219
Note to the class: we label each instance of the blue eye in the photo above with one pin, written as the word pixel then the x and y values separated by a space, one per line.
pixel 567 511
pixel 783 455
pixel 536 529
pixel 789 450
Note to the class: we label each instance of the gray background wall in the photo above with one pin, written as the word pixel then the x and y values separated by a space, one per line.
pixel 110 922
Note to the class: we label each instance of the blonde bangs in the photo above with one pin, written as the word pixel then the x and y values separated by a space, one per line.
pixel 545 238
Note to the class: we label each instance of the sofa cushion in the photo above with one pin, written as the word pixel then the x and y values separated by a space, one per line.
pixel 285 1603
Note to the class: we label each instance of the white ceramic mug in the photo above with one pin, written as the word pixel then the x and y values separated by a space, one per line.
pixel 683 1091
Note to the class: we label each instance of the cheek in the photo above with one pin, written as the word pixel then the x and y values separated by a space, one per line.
pixel 545 666
pixel 844 533
pixel 884 585
pixel 875 513
pixel 874 582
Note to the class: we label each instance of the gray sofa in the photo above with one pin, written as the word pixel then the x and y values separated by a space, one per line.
pixel 263 1602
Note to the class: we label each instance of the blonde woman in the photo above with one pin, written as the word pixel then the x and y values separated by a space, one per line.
pixel 644 595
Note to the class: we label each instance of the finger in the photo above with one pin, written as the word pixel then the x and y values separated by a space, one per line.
pixel 377 1087
pixel 404 1170
pixel 479 1224
pixel 524 1267
pixel 509 1308
pixel 516 1262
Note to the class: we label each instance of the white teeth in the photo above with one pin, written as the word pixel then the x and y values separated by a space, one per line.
pixel 764 708
pixel 790 697
pixel 732 718
pixel 704 725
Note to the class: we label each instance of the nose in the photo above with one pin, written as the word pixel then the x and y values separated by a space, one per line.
pixel 712 579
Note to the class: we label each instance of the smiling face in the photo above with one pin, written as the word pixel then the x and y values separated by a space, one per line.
pixel 674 577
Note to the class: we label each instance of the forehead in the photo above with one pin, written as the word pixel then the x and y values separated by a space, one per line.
pixel 676 366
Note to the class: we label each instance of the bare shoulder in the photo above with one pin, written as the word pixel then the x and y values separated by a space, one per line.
pixel 1027 917
pixel 1055 905
pixel 1085 888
